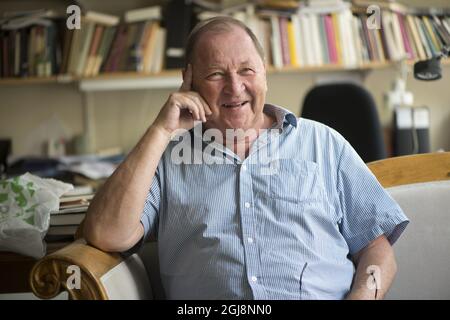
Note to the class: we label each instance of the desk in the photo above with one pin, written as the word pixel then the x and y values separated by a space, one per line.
pixel 15 269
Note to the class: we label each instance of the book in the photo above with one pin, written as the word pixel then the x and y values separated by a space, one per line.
pixel 276 43
pixel 117 48
pixel 178 26
pixel 85 42
pixel 316 43
pixel 324 40
pixel 67 219
pixel 79 190
pixel 143 14
pixel 74 204
pixel 305 43
pixel 404 35
pixel 442 32
pixel 62 230
pixel 424 39
pixel 417 41
pixel 432 34
pixel 95 43
pixel 101 18
pixel 79 197
pixel 158 62
pixel 282 21
pixel 150 47
pixel 104 49
pixel 293 43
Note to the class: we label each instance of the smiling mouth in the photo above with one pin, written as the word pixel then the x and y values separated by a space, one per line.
pixel 234 105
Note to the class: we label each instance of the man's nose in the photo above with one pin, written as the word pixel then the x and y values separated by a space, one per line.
pixel 234 85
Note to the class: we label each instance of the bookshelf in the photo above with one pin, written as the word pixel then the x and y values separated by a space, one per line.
pixel 279 47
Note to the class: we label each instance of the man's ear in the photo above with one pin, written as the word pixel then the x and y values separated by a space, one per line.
pixel 187 79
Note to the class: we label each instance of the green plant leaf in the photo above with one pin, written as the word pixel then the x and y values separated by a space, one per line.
pixel 21 200
pixel 30 220
pixel 16 188
pixel 3 197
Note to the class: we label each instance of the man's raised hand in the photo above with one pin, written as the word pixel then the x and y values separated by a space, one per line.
pixel 183 107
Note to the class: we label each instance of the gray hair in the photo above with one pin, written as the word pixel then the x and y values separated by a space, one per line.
pixel 218 24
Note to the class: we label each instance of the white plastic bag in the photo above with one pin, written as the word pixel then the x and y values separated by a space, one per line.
pixel 25 205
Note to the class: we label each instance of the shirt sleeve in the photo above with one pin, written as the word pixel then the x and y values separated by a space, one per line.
pixel 150 213
pixel 368 211
pixel 149 217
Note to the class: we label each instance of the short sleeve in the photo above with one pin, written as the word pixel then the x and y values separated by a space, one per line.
pixel 149 217
pixel 368 211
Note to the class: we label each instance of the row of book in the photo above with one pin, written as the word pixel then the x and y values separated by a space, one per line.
pixel 313 34
pixel 337 35
pixel 102 44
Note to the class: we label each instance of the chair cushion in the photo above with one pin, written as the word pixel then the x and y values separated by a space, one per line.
pixel 128 280
pixel 149 256
pixel 422 252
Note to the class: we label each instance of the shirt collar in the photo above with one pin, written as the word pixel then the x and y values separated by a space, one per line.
pixel 282 116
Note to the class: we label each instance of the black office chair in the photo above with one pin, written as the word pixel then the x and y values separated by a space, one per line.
pixel 350 110
pixel 5 150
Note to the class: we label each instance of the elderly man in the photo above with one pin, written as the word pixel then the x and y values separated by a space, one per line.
pixel 308 222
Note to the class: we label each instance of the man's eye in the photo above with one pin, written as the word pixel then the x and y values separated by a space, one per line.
pixel 247 71
pixel 215 75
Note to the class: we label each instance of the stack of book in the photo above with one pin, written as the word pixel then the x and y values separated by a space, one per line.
pixel 64 222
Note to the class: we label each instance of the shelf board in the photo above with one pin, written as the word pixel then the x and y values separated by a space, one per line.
pixel 329 68
pixel 37 80
pixel 133 75
pixel 28 80
pixel 131 81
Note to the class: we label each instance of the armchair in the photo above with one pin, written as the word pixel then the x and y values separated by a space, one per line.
pixel 420 184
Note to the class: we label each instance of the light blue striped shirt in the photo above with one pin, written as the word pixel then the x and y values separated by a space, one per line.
pixel 282 227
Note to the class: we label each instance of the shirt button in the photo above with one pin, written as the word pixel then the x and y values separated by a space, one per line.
pixel 247 205
pixel 244 167
pixel 250 240
pixel 254 279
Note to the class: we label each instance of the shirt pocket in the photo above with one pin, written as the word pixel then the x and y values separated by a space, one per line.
pixel 295 181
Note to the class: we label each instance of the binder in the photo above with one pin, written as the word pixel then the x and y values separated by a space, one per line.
pixel 411 130
pixel 178 25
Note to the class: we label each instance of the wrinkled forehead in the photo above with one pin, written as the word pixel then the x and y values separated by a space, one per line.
pixel 231 43
pixel 218 34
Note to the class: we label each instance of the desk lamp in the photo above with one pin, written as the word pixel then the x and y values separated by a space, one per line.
pixel 430 69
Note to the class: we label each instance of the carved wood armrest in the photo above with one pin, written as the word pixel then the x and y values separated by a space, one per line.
pixel 49 275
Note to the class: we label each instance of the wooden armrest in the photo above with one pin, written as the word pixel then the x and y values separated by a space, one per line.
pixel 49 275
pixel 410 169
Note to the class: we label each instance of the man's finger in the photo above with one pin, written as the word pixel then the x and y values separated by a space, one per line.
pixel 187 79
pixel 198 101
pixel 191 106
